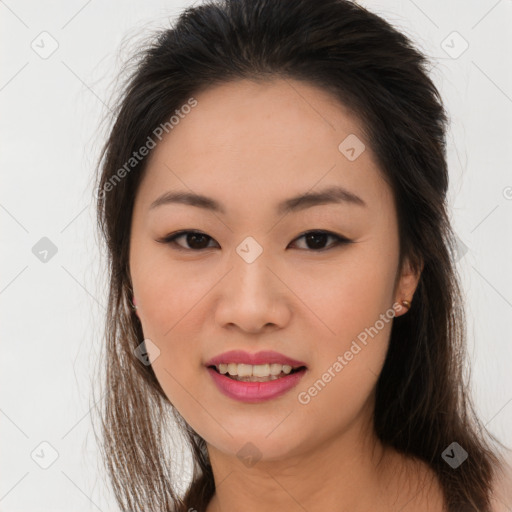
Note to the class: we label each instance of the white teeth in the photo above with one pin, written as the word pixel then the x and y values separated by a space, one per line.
pixel 261 370
pixel 275 369
pixel 258 370
pixel 243 370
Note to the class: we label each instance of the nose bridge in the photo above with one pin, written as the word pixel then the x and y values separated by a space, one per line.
pixel 251 297
pixel 251 275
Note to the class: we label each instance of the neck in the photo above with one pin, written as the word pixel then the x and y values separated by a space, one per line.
pixel 348 472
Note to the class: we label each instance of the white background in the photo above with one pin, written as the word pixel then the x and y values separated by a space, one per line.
pixel 52 312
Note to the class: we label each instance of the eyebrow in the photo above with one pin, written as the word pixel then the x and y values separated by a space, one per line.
pixel 334 194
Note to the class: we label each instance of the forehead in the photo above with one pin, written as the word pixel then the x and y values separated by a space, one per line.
pixel 248 116
pixel 251 141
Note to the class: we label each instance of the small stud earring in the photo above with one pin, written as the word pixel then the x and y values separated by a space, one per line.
pixel 133 303
pixel 406 304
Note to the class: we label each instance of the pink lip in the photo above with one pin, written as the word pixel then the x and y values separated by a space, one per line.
pixel 253 392
pixel 241 357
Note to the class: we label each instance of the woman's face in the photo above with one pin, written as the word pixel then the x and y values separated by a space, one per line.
pixel 251 282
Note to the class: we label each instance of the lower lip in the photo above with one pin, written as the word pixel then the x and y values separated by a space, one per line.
pixel 254 392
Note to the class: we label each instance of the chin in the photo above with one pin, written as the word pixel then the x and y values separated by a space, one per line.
pixel 258 446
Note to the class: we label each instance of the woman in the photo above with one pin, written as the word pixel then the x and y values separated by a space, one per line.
pixel 282 276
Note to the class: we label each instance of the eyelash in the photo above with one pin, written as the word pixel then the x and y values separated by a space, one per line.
pixel 171 240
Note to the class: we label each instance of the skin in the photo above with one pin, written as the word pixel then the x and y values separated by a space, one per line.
pixel 249 146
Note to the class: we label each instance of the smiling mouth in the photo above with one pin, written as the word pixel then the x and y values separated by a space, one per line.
pixel 255 373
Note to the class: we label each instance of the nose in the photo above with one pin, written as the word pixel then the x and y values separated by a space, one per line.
pixel 253 297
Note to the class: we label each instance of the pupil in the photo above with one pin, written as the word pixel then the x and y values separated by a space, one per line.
pixel 314 237
pixel 191 236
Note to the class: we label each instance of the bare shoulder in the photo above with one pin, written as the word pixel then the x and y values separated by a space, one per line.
pixel 501 500
pixel 425 490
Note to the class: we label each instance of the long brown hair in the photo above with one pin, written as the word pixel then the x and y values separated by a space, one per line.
pixel 422 404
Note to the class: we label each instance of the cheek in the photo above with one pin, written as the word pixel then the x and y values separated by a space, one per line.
pixel 169 314
pixel 171 323
pixel 355 308
pixel 171 303
pixel 167 292
pixel 347 296
pixel 347 366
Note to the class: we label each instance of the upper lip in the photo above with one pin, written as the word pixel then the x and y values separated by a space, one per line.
pixel 241 357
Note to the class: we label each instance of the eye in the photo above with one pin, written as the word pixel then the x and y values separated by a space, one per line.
pixel 317 239
pixel 195 239
pixel 198 241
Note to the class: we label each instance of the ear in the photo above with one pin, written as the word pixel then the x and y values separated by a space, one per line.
pixel 406 284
